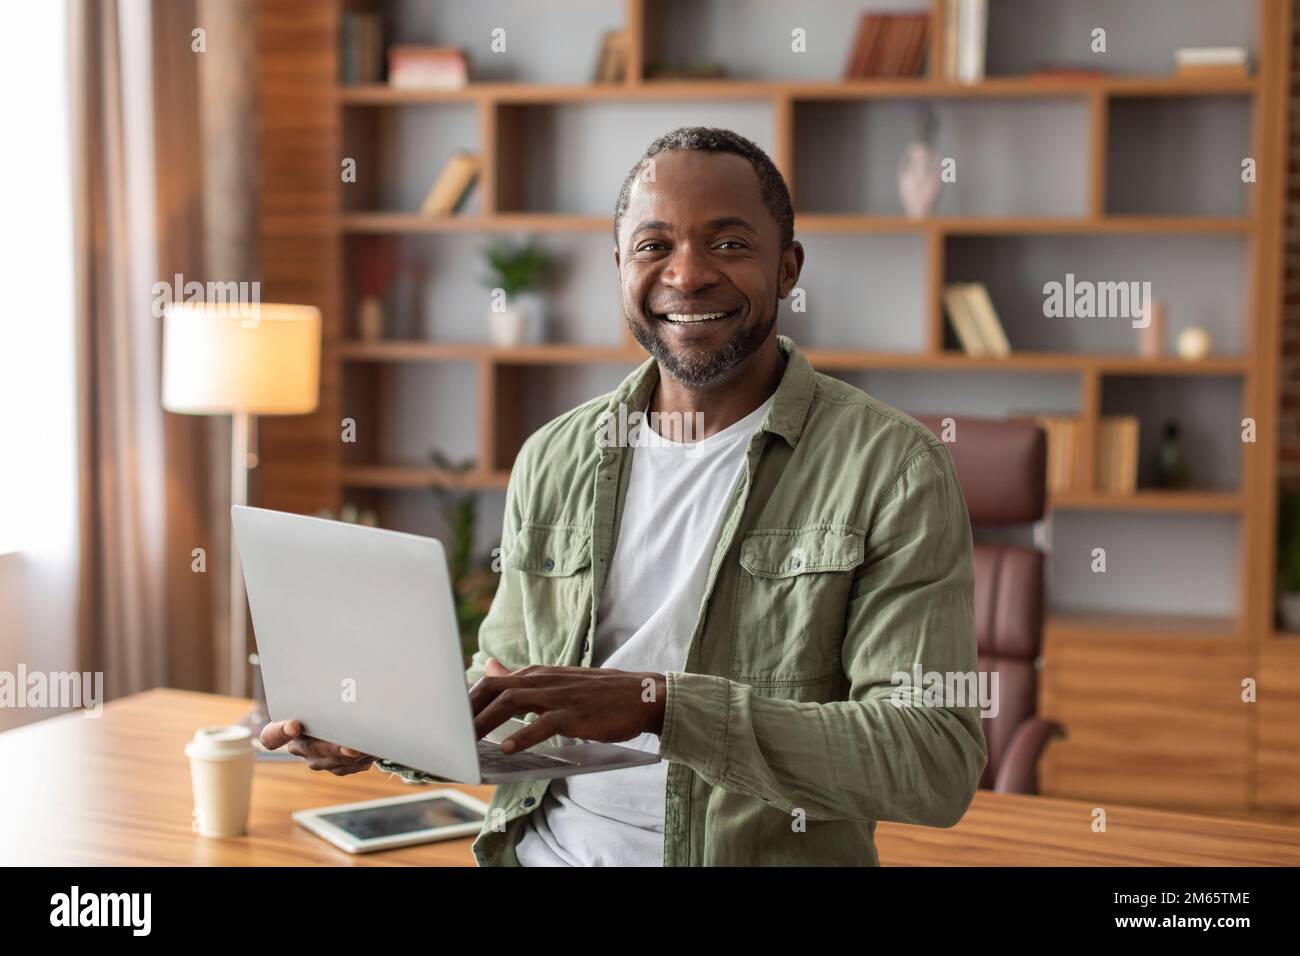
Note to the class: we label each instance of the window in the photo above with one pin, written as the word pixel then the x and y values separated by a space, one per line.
pixel 38 482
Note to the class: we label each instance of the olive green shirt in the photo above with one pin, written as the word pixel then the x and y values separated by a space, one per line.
pixel 844 558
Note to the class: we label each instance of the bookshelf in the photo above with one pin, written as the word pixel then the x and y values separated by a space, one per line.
pixel 1090 195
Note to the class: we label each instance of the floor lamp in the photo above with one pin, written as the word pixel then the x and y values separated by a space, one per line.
pixel 242 361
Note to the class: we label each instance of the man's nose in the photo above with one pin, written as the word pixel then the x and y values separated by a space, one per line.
pixel 689 269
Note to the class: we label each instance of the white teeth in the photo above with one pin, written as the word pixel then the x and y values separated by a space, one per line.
pixel 702 317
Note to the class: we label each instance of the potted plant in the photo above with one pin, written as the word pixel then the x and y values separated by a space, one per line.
pixel 473 584
pixel 1288 560
pixel 515 274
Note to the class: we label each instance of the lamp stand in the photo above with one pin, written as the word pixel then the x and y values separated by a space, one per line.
pixel 238 649
pixel 243 439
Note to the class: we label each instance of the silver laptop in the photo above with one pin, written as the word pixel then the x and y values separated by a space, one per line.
pixel 357 638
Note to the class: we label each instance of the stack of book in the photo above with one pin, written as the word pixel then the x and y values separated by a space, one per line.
pixel 976 322
pixel 427 67
pixel 888 44
pixel 361 48
pixel 1117 454
pixel 1216 62
pixel 1062 433
pixel 965 39
pixel 1062 437
pixel 452 185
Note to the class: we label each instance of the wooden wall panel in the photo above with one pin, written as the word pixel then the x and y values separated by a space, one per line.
pixel 1277 736
pixel 1157 723
pixel 298 216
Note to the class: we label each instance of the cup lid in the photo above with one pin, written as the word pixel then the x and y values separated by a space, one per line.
pixel 221 741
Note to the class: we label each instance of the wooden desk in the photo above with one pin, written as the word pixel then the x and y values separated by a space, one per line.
pixel 116 791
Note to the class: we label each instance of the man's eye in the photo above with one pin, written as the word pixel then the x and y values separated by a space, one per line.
pixel 732 243
pixel 652 246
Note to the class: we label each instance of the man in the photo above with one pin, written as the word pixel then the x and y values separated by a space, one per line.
pixel 738 600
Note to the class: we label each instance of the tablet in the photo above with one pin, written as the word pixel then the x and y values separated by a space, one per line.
pixel 396 821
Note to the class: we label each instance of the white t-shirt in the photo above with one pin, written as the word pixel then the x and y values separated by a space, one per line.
pixel 677 495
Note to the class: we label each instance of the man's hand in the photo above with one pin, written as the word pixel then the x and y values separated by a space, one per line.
pixel 589 703
pixel 319 754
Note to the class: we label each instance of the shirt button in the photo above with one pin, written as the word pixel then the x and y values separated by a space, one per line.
pixel 586 645
pixel 529 801
pixel 548 565
pixel 796 564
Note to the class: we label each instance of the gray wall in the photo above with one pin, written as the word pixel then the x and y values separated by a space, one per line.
pixel 1024 157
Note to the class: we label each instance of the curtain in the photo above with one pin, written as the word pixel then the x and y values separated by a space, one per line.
pixel 148 95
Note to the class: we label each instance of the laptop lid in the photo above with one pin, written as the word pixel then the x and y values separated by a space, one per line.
pixel 357 637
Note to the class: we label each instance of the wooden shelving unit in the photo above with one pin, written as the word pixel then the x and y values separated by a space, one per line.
pixel 309 222
pixel 1144 86
pixel 406 223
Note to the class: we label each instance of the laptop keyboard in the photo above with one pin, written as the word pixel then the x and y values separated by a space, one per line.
pixel 492 759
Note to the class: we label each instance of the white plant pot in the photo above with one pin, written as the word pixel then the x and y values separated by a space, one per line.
pixel 508 327
pixel 1288 610
pixel 533 306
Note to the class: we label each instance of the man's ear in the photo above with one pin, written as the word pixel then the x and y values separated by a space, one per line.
pixel 617 260
pixel 791 267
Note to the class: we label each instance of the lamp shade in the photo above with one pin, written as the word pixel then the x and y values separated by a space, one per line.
pixel 218 360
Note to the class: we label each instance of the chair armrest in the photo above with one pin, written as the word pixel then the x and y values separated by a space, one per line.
pixel 1019 770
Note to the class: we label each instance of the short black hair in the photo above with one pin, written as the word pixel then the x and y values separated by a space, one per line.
pixel 776 197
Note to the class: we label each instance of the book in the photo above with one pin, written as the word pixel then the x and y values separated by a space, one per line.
pixel 888 45
pixel 864 40
pixel 952 14
pixel 1227 71
pixel 1062 433
pixel 890 50
pixel 360 48
pixel 987 324
pixel 412 67
pixel 918 42
pixel 452 185
pixel 975 320
pixel 972 39
pixel 611 64
pixel 963 322
pixel 1211 56
pixel 1117 454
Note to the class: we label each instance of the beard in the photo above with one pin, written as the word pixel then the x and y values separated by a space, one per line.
pixel 703 369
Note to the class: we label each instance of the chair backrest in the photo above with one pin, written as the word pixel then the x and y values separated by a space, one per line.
pixel 1002 468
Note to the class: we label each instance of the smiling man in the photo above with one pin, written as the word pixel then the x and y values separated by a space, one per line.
pixel 740 603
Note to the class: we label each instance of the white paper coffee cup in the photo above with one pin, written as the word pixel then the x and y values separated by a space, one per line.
pixel 221 769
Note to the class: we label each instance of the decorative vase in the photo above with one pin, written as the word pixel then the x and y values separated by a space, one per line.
pixel 507 327
pixel 1151 337
pixel 1288 611
pixel 918 180
pixel 1171 460
pixel 370 319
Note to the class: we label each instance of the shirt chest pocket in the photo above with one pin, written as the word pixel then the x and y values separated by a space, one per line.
pixel 554 565
pixel 791 602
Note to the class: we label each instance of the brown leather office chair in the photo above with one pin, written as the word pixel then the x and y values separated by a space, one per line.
pixel 1002 467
